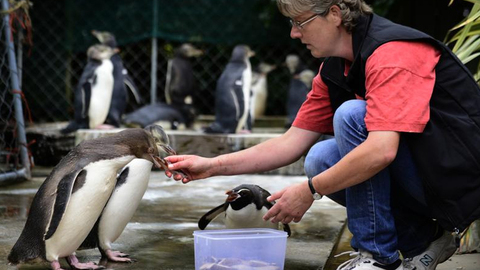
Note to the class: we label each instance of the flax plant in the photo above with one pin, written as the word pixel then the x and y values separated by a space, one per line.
pixel 465 37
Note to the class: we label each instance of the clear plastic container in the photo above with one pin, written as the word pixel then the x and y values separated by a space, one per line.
pixel 245 249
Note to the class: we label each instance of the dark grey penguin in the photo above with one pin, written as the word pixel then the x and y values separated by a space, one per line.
pixel 94 90
pixel 244 207
pixel 124 86
pixel 132 182
pixel 300 85
pixel 69 202
pixel 232 94
pixel 180 86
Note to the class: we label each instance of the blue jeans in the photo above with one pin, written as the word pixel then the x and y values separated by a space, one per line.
pixel 387 213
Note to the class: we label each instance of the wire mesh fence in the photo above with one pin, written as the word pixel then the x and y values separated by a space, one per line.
pixel 14 158
pixel 53 65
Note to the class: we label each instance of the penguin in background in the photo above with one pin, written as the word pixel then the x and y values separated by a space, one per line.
pixel 93 93
pixel 131 184
pixel 124 86
pixel 69 202
pixel 232 94
pixel 244 207
pixel 258 103
pixel 300 85
pixel 180 86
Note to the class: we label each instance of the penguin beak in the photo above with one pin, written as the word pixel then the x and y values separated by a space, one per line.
pixel 232 195
pixel 168 149
pixel 159 162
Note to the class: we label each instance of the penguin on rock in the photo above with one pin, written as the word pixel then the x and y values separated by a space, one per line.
pixel 232 94
pixel 124 86
pixel 93 93
pixel 71 199
pixel 132 182
pixel 244 207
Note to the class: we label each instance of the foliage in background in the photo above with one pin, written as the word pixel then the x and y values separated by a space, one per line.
pixel 465 37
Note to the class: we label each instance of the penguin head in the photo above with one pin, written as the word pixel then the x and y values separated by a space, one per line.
pixel 241 53
pixel 246 194
pixel 265 68
pixel 306 77
pixel 160 147
pixel 187 50
pixel 105 38
pixel 100 52
pixel 161 140
pixel 292 61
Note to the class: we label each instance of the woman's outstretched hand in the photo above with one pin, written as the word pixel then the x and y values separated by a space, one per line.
pixel 193 167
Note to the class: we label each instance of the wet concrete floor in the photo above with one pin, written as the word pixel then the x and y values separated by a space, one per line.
pixel 159 235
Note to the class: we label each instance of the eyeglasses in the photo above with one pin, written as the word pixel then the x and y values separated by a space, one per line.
pixel 299 25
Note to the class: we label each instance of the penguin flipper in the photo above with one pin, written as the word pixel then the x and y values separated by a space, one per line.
pixel 130 85
pixel 210 215
pixel 286 227
pixel 66 187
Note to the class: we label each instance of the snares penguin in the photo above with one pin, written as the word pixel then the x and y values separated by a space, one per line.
pixel 232 94
pixel 300 85
pixel 132 182
pixel 123 83
pixel 93 92
pixel 244 207
pixel 70 200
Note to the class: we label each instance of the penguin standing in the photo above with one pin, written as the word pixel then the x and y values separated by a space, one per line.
pixel 244 207
pixel 232 95
pixel 300 85
pixel 122 81
pixel 102 86
pixel 258 102
pixel 132 182
pixel 94 90
pixel 69 202
pixel 180 86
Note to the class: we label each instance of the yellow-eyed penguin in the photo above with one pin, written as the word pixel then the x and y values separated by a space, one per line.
pixel 93 93
pixel 232 94
pixel 132 182
pixel 123 87
pixel 102 85
pixel 244 207
pixel 69 202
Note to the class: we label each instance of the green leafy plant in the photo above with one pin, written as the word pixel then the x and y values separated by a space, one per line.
pixel 465 37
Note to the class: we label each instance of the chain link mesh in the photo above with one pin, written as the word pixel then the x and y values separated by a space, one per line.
pixel 10 156
pixel 61 36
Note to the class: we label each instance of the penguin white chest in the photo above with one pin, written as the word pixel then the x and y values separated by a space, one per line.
pixel 124 202
pixel 84 207
pixel 247 217
pixel 101 95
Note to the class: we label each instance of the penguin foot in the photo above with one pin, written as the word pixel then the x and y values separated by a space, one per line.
pixel 75 264
pixel 104 127
pixel 117 256
pixel 56 265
